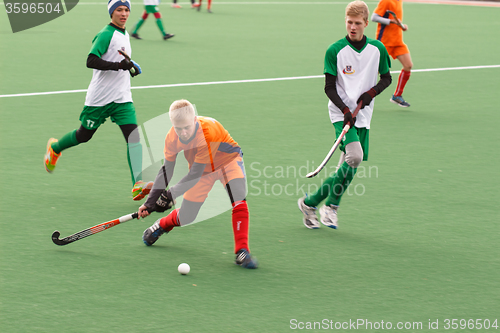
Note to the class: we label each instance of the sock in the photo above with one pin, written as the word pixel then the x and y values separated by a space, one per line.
pixel 159 23
pixel 209 4
pixel 314 199
pixel 67 141
pixel 134 158
pixel 170 221
pixel 138 25
pixel 404 76
pixel 341 180
pixel 240 220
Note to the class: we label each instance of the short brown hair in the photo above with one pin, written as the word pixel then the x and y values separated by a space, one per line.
pixel 358 8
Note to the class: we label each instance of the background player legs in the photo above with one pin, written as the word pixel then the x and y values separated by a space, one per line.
pixel 209 7
pixel 138 25
pixel 404 76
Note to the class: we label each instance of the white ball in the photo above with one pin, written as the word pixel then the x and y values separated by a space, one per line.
pixel 183 268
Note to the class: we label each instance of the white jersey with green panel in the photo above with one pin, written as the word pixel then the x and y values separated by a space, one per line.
pixel 109 86
pixel 356 72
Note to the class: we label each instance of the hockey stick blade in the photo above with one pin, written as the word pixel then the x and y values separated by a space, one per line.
pixel 91 231
pixel 126 56
pixel 335 145
pixel 123 53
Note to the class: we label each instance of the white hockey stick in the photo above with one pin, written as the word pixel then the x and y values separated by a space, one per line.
pixel 335 145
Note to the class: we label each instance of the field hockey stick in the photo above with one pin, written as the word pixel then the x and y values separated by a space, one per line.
pixel 92 230
pixel 335 145
pixel 400 24
pixel 126 56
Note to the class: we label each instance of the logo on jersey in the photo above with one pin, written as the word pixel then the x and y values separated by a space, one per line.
pixel 348 70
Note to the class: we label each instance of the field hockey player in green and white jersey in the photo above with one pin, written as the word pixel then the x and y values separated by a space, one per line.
pixel 108 95
pixel 352 67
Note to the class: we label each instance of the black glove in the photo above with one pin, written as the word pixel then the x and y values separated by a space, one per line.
pixel 125 64
pixel 367 97
pixel 164 202
pixel 348 119
pixel 131 66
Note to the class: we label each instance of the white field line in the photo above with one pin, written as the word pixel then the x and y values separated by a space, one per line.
pixel 174 85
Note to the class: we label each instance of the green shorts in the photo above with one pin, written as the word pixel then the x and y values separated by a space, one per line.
pixel 152 9
pixel 120 113
pixel 353 135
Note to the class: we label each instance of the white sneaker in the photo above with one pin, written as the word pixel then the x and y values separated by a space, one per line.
pixel 328 216
pixel 310 219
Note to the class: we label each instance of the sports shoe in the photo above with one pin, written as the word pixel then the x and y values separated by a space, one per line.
pixel 399 100
pixel 151 234
pixel 328 216
pixel 167 36
pixel 176 5
pixel 245 259
pixel 136 36
pixel 310 219
pixel 209 11
pixel 141 189
pixel 51 157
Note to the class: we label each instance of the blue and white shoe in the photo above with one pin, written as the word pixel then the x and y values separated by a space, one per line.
pixel 328 216
pixel 310 219
pixel 399 100
pixel 151 234
pixel 245 259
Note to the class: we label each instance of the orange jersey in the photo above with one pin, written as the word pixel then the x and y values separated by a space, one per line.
pixel 392 34
pixel 211 145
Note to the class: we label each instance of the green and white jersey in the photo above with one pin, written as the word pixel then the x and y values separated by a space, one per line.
pixel 356 72
pixel 109 86
pixel 151 2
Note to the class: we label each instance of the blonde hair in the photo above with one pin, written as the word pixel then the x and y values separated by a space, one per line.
pixel 181 110
pixel 358 8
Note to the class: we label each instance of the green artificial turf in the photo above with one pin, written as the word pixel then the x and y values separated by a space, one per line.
pixel 418 235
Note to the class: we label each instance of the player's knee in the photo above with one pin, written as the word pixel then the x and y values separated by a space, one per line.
pixel 157 15
pixel 84 135
pixel 354 154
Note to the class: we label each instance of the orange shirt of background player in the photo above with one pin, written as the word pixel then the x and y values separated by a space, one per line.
pixel 392 34
pixel 211 145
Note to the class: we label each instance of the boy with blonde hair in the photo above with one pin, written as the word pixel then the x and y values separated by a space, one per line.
pixel 212 155
pixel 352 66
